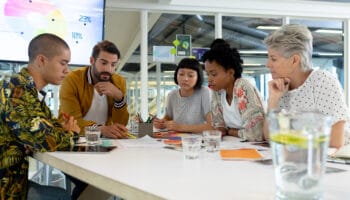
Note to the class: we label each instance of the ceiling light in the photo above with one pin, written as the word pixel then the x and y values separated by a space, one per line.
pixel 252 64
pixel 252 52
pixel 199 17
pixel 329 31
pixel 268 27
pixel 248 72
pixel 329 54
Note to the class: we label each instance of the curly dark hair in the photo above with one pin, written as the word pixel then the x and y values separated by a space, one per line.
pixel 190 63
pixel 224 55
pixel 107 46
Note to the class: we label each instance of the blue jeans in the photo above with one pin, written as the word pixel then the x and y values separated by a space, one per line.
pixel 44 192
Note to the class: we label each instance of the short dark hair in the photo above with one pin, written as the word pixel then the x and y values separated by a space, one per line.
pixel 47 44
pixel 107 46
pixel 190 63
pixel 224 55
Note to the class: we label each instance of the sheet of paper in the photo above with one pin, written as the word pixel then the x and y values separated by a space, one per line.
pixel 343 152
pixel 144 142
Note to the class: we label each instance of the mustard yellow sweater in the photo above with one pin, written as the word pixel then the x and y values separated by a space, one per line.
pixel 76 95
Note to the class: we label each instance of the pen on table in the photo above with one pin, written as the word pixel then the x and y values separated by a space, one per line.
pixel 340 161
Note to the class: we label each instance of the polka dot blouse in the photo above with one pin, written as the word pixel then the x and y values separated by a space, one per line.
pixel 320 92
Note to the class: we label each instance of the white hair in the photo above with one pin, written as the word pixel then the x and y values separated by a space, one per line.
pixel 292 39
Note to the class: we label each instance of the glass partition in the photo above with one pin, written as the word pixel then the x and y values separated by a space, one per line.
pixel 328 44
pixel 163 34
pixel 247 35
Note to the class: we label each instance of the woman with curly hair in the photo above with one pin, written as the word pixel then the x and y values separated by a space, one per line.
pixel 236 105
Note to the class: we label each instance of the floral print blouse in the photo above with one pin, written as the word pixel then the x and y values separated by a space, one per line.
pixel 250 106
pixel 26 125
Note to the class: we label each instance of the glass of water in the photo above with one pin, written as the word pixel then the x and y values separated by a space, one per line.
pixel 299 143
pixel 92 135
pixel 191 146
pixel 212 139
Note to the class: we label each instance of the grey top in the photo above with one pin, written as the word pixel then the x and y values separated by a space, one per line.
pixel 189 110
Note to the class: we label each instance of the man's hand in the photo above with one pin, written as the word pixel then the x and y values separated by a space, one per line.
pixel 70 124
pixel 115 131
pixel 108 89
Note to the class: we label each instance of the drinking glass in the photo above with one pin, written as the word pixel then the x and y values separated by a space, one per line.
pixel 299 143
pixel 92 135
pixel 212 139
pixel 191 145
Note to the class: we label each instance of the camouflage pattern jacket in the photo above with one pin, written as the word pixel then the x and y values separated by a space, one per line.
pixel 26 126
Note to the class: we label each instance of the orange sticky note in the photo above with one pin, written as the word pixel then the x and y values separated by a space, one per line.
pixel 173 142
pixel 240 154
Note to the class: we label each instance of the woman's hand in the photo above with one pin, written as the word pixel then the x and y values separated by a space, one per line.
pixel 159 123
pixel 277 88
pixel 173 126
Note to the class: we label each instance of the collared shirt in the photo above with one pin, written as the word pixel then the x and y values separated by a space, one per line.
pixel 76 95
pixel 98 111
pixel 117 104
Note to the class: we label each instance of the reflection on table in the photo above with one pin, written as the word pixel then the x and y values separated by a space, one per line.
pixel 156 172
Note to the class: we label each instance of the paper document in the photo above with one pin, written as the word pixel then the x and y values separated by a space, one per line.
pixel 144 142
pixel 343 152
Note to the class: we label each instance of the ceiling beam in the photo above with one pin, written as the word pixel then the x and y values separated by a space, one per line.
pixel 296 8
pixel 152 19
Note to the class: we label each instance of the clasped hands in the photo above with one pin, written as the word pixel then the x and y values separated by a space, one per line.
pixel 109 89
pixel 164 124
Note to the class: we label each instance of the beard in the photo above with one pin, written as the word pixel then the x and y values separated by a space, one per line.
pixel 101 76
pixel 104 77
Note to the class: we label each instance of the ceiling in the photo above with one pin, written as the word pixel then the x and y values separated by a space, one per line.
pixel 122 27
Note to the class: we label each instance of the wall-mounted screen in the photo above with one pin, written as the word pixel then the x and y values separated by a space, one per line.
pixel 79 22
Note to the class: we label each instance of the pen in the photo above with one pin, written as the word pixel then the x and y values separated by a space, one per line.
pixel 340 161
pixel 150 118
pixel 131 136
pixel 138 116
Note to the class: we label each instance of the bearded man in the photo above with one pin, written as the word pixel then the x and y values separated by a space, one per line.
pixel 96 94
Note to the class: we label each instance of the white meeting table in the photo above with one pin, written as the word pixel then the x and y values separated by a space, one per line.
pixel 159 173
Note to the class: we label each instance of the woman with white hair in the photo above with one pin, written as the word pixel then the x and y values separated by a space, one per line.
pixel 295 86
